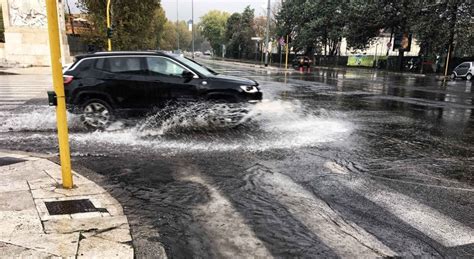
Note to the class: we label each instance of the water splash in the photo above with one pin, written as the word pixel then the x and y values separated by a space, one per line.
pixel 201 127
pixel 34 118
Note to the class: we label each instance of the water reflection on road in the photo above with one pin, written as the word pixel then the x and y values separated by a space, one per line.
pixel 332 163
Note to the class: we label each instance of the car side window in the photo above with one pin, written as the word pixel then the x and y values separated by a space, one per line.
pixel 84 67
pixel 121 65
pixel 164 66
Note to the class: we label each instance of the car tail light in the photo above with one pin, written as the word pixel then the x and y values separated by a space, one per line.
pixel 67 79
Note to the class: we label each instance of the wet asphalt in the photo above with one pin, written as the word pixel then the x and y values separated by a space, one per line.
pixel 334 163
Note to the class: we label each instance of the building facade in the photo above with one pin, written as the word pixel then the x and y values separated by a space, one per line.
pixel 26 33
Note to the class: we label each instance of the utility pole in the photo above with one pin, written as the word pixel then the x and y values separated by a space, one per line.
pixel 286 49
pixel 267 36
pixel 177 24
pixel 453 12
pixel 192 24
pixel 61 115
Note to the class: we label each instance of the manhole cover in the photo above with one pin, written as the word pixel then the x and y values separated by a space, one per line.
pixel 70 207
pixel 10 160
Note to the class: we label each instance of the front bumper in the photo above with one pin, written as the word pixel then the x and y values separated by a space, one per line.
pixel 253 97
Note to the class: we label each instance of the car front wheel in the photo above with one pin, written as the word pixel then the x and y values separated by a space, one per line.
pixel 96 114
pixel 453 76
pixel 468 77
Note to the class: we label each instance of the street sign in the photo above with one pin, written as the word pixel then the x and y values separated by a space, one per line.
pixel 257 38
pixel 282 41
pixel 402 41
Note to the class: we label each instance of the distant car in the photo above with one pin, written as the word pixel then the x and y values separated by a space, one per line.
pixel 105 85
pixel 207 53
pixel 301 61
pixel 464 70
pixel 178 52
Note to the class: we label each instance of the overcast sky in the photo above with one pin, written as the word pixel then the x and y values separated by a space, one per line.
pixel 203 6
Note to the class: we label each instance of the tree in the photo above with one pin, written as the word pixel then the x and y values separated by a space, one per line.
pixel 233 35
pixel 213 26
pixel 137 23
pixel 443 24
pixel 168 36
pixel 314 25
pixel 239 32
pixel 364 21
pixel 168 39
pixel 437 26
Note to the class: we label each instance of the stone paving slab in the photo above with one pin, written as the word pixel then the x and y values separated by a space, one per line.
pixel 23 252
pixel 28 230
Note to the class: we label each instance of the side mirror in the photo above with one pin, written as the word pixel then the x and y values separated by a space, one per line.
pixel 187 75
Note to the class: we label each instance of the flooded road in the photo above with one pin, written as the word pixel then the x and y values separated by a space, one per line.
pixel 332 163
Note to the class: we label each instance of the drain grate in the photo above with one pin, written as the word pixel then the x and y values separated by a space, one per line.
pixel 10 160
pixel 70 207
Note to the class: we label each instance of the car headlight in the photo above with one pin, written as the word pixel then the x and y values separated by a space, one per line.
pixel 249 88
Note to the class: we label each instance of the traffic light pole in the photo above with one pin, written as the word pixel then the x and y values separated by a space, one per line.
pixel 109 28
pixel 55 50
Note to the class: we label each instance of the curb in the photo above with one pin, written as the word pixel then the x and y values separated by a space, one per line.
pixel 438 77
pixel 250 65
pixel 29 228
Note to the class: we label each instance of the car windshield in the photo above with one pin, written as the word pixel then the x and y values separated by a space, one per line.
pixel 194 65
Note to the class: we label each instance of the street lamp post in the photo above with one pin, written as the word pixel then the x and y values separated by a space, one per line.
pixel 267 36
pixel 192 24
pixel 177 24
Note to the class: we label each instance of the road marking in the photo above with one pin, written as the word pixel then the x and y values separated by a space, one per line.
pixel 229 233
pixel 13 98
pixel 345 238
pixel 21 94
pixel 443 229
pixel 431 222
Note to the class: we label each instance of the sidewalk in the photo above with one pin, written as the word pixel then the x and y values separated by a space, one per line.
pixel 25 71
pixel 354 69
pixel 40 219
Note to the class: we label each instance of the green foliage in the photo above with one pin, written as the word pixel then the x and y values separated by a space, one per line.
pixel 169 41
pixel 439 24
pixel 137 23
pixel 2 28
pixel 363 23
pixel 213 26
pixel 238 34
pixel 313 24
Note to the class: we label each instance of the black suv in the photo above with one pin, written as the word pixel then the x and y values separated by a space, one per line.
pixel 103 85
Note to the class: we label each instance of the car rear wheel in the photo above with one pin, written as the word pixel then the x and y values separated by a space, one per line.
pixel 96 114
pixel 468 77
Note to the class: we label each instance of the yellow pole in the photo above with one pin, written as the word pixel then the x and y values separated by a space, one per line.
pixel 109 40
pixel 447 61
pixel 54 46
pixel 286 58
